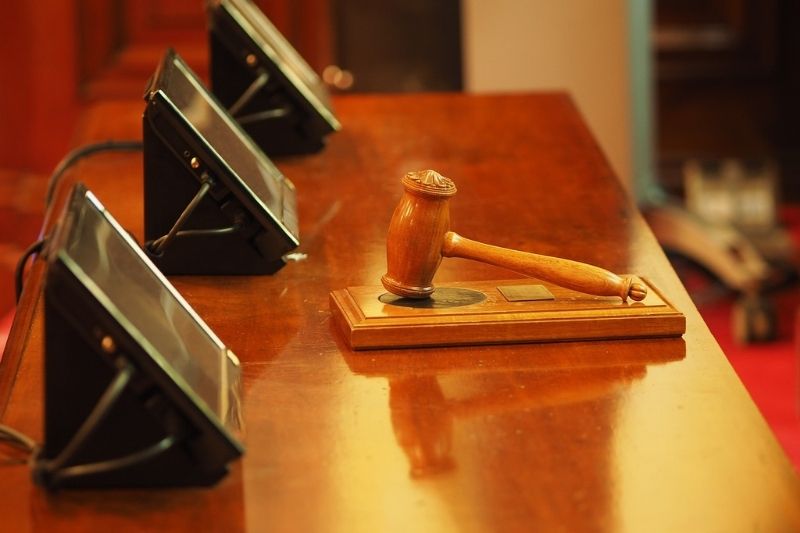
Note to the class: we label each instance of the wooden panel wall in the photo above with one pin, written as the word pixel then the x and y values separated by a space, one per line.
pixel 60 54
pixel 152 20
pixel 100 35
pixel 38 90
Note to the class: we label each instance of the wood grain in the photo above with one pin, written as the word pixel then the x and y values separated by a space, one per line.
pixel 414 238
pixel 39 94
pixel 366 322
pixel 573 275
pixel 418 238
pixel 586 436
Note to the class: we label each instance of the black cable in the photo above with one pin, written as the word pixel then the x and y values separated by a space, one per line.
pixel 70 159
pixel 19 271
pixel 193 233
pixel 83 151
pixel 210 231
pixel 17 439
pixel 20 441
pixel 161 243
pixel 157 246
pixel 263 115
pixel 114 464
pixel 53 472
pixel 249 93
pixel 46 468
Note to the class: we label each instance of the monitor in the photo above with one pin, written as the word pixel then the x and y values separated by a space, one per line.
pixel 268 87
pixel 120 339
pixel 248 220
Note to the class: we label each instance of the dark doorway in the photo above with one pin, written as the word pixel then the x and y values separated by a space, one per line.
pixel 399 45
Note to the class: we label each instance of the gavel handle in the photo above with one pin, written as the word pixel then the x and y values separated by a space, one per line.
pixel 573 275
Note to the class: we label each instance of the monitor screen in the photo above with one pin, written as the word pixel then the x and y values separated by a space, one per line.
pixel 101 255
pixel 274 47
pixel 270 195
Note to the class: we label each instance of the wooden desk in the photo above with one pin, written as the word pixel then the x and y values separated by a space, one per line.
pixel 625 436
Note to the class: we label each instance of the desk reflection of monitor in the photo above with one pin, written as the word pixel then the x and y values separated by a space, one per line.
pixel 138 390
pixel 265 84
pixel 214 203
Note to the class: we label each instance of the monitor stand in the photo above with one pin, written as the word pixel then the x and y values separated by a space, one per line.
pixel 272 116
pixel 107 424
pixel 213 233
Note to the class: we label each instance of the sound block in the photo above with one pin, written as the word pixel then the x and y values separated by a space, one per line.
pixel 472 313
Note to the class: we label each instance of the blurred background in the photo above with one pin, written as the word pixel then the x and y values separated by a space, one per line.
pixel 694 102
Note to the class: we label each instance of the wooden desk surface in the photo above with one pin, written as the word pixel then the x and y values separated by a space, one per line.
pixel 623 436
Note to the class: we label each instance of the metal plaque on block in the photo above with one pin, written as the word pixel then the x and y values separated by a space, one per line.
pixel 525 293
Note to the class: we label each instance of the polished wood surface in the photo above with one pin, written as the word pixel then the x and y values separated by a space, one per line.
pixel 616 436
pixel 481 312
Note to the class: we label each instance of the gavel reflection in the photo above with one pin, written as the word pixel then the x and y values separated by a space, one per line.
pixel 419 236
pixel 422 416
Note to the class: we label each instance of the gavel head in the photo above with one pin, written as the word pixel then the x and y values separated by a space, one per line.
pixel 416 232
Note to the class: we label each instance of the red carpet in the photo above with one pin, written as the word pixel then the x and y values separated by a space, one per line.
pixel 768 370
pixel 771 370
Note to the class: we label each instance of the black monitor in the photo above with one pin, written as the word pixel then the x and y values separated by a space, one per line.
pixel 265 84
pixel 139 392
pixel 214 203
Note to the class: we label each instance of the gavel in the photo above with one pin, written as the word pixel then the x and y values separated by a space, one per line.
pixel 419 236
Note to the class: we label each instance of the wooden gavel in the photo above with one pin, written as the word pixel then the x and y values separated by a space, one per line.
pixel 419 236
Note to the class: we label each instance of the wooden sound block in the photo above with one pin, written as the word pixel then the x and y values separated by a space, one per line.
pixel 470 313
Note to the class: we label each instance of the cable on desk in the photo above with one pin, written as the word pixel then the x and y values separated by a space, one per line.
pixel 84 151
pixel 110 465
pixel 14 438
pixel 263 115
pixel 259 83
pixel 56 470
pixel 20 441
pixel 68 161
pixel 47 468
pixel 162 242
pixel 157 246
pixel 19 271
pixel 53 472
pixel 248 94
